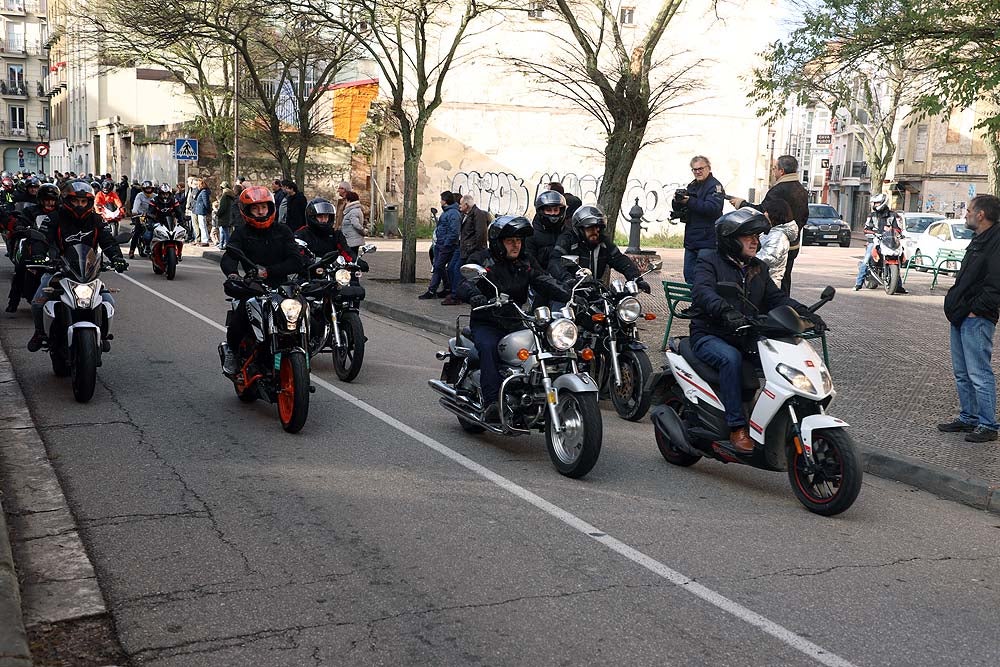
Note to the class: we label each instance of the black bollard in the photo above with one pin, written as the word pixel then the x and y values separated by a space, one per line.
pixel 635 219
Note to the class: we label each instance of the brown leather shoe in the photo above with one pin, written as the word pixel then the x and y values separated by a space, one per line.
pixel 740 439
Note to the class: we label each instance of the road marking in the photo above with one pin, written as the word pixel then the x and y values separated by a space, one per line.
pixel 779 632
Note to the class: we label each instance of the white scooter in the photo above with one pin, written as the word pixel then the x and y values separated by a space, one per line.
pixel 788 420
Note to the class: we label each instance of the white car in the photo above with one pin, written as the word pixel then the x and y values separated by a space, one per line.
pixel 917 223
pixel 947 234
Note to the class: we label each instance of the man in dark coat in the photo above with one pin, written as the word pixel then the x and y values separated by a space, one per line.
pixel 296 216
pixel 702 204
pixel 471 239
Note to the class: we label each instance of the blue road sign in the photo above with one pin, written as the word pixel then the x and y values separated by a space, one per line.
pixel 186 150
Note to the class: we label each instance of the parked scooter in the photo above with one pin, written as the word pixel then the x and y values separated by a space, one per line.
pixel 788 419
pixel 888 256
pixel 542 387
pixel 167 246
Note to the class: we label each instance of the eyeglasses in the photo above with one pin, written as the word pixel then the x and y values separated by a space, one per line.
pixel 697 169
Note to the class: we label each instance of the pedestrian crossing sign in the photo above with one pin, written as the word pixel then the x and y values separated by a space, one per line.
pixel 186 150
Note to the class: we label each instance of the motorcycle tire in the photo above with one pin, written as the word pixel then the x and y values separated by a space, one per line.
pixel 667 450
pixel 293 391
pixel 347 360
pixel 84 366
pixel 891 277
pixel 835 485
pixel 575 451
pixel 631 400
pixel 157 270
pixel 870 283
pixel 170 261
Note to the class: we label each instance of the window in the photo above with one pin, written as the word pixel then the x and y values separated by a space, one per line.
pixel 536 9
pixel 920 150
pixel 15 77
pixel 17 120
pixel 626 16
pixel 904 134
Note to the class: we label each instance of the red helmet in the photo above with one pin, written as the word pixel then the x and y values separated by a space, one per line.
pixel 257 194
pixel 78 188
pixel 8 183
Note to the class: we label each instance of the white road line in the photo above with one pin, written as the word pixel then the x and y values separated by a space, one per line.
pixel 779 632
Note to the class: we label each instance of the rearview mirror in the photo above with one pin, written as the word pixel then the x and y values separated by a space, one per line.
pixel 301 243
pixel 367 248
pixel 472 271
pixel 729 290
pixel 656 266
pixel 827 293
pixel 570 259
pixel 434 210
pixel 584 273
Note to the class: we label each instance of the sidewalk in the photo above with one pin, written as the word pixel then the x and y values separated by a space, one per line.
pixel 889 358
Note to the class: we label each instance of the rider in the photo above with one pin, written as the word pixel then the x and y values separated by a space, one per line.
pixel 140 206
pixel 107 196
pixel 882 218
pixel 267 245
pixel 512 272
pixel 48 200
pixel 27 195
pixel 75 221
pixel 586 240
pixel 319 233
pixel 715 321
pixel 163 206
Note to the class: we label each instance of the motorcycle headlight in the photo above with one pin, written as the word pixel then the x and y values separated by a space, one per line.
pixel 160 232
pixel 629 310
pixel 180 233
pixel 561 334
pixel 827 381
pixel 84 294
pixel 291 309
pixel 797 378
pixel 342 276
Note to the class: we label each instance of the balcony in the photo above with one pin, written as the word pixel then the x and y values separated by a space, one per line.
pixel 7 132
pixel 16 88
pixel 17 48
pixel 54 82
pixel 12 7
pixel 858 169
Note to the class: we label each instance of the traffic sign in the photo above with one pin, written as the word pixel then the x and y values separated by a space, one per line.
pixel 186 150
pixel 972 190
pixel 20 153
pixel 20 163
pixel 41 150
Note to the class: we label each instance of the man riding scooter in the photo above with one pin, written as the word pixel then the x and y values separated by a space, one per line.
pixel 716 322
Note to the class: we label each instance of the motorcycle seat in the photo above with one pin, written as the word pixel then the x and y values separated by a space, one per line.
pixel 710 375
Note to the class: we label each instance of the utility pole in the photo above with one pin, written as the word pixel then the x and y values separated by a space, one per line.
pixel 236 115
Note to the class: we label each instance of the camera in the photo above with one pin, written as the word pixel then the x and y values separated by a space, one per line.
pixel 680 193
pixel 679 210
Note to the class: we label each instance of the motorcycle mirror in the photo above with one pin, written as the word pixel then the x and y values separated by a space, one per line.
pixel 367 248
pixel 123 237
pixel 584 273
pixel 729 290
pixel 301 243
pixel 472 271
pixel 434 210
pixel 827 293
pixel 570 259
pixel 656 266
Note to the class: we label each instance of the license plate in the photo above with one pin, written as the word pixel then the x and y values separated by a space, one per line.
pixel 829 236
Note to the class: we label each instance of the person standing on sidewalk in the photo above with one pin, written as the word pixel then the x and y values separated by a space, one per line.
pixel 471 239
pixel 972 306
pixel 702 199
pixel 353 228
pixel 445 244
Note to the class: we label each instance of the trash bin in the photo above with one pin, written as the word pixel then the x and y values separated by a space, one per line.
pixel 390 220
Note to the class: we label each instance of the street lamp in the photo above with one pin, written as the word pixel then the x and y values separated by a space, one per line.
pixel 43 131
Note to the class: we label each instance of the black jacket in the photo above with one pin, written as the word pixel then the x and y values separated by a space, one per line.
pixel 977 286
pixel 513 279
pixel 597 259
pixel 160 212
pixel 122 190
pixel 572 203
pixel 273 248
pixel 704 204
pixel 708 306
pixel 296 217
pixel 472 231
pixel 321 245
pixel 541 242
pixel 63 228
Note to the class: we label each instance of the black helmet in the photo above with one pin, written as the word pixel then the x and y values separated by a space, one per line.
pixel 78 188
pixel 507 227
pixel 320 206
pixel 552 223
pixel 107 187
pixel 95 186
pixel 32 182
pixel 741 222
pixel 588 216
pixel 48 192
pixel 147 185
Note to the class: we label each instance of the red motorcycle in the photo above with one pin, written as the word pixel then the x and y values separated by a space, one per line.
pixel 167 245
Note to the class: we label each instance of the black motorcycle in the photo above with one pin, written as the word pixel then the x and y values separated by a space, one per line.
pixel 143 225
pixel 272 358
pixel 335 295
pixel 30 250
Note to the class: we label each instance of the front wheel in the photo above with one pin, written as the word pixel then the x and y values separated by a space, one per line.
pixel 171 263
pixel 631 400
pixel 574 450
pixel 84 366
pixel 870 282
pixel 347 358
pixel 293 391
pixel 891 277
pixel 833 483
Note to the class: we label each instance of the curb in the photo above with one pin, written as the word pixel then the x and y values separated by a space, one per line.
pixel 934 479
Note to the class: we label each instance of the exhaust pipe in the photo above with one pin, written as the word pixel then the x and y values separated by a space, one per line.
pixel 470 415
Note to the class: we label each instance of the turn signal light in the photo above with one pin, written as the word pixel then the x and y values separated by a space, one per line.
pixel 649 316
pixel 598 317
pixel 523 354
pixel 587 354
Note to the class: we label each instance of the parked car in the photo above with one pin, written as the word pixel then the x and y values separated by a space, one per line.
pixel 917 223
pixel 945 234
pixel 825 226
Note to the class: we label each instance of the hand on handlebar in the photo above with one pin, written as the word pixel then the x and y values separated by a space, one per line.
pixel 643 285
pixel 120 265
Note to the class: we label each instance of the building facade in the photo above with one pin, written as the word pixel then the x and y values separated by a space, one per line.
pixel 809 138
pixel 25 122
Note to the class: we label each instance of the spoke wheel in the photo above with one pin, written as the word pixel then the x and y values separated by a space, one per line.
pixel 833 483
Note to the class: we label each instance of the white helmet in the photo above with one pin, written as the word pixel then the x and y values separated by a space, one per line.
pixel 880 202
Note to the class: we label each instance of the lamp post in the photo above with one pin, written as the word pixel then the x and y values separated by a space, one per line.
pixel 43 132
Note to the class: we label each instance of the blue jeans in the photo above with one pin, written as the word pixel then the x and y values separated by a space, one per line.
pixel 726 359
pixel 455 272
pixel 223 236
pixel 442 255
pixel 690 260
pixel 487 337
pixel 863 267
pixel 971 349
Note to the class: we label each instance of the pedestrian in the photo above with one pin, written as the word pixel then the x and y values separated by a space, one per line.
pixel 786 185
pixel 699 205
pixel 342 191
pixel 295 203
pixel 192 191
pixel 276 190
pixel 972 306
pixel 203 211
pixel 354 223
pixel 445 244
pixel 122 190
pixel 471 239
pixel 224 214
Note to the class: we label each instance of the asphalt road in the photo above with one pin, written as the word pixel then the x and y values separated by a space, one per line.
pixel 382 534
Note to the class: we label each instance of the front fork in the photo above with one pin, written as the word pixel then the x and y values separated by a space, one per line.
pixel 615 365
pixel 336 327
pixel 551 398
pixel 801 447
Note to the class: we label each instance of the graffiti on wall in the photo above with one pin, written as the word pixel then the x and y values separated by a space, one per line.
pixel 500 193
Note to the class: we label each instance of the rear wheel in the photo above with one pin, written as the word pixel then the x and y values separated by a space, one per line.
pixel 891 278
pixel 171 263
pixel 574 450
pixel 347 359
pixel 631 400
pixel 667 450
pixel 293 391
pixel 84 366
pixel 833 483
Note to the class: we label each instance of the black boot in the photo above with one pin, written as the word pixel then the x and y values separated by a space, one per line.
pixel 37 341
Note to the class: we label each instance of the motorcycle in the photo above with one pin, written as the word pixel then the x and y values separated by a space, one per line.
pixel 542 386
pixel 334 304
pixel 30 250
pixel 167 246
pixel 887 257
pixel 112 215
pixel 145 234
pixel 79 320
pixel 609 343
pixel 788 420
pixel 272 358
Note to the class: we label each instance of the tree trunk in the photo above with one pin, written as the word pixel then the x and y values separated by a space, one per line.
pixel 408 228
pixel 619 155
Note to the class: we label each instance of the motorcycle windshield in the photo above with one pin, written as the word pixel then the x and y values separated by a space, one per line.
pixel 82 262
pixel 891 241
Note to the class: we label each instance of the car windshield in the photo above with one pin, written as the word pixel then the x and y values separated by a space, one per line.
pixel 960 231
pixel 822 211
pixel 920 224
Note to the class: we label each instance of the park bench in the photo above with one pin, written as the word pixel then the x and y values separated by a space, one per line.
pixel 679 299
pixel 948 262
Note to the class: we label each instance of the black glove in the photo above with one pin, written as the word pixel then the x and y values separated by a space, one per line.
pixel 819 326
pixel 734 319
pixel 121 266
pixel 363 265
pixel 478 300
pixel 643 285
